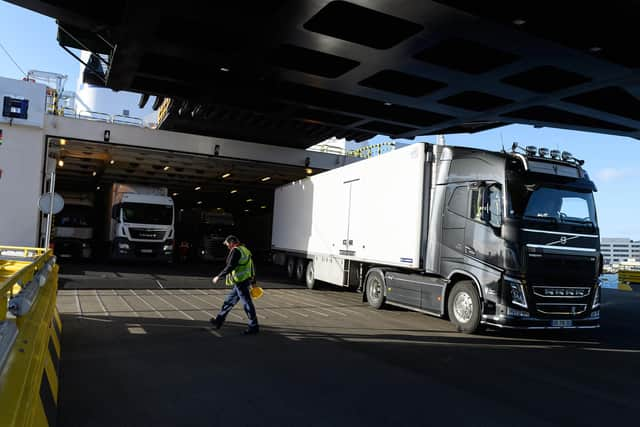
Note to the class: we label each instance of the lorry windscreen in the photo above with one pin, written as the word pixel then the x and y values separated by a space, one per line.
pixel 146 213
pixel 554 205
pixel 74 216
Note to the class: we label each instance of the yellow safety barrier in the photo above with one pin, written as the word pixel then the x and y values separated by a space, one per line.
pixel 30 332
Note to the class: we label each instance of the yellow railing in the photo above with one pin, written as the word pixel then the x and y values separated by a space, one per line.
pixel 29 337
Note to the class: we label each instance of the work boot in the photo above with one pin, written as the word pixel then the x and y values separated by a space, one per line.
pixel 216 322
pixel 251 330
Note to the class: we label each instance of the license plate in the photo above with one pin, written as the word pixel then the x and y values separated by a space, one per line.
pixel 146 251
pixel 562 323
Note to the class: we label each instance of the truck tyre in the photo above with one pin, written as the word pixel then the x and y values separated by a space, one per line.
pixel 375 289
pixel 464 307
pixel 309 277
pixel 291 267
pixel 300 269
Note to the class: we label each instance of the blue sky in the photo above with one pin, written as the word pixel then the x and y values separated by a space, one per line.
pixel 612 161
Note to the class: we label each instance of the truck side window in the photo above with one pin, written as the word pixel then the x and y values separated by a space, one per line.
pixel 458 201
pixel 495 206
pixel 477 198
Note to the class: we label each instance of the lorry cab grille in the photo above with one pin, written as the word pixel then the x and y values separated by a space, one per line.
pixel 147 234
pixel 561 308
pixel 561 292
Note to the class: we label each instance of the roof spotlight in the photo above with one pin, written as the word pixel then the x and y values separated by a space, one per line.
pixel 555 154
pixel 531 150
pixel 566 156
pixel 543 152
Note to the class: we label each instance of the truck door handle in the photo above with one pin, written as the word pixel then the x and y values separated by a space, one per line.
pixel 469 250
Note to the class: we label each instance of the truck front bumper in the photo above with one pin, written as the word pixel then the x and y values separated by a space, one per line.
pixel 128 250
pixel 529 322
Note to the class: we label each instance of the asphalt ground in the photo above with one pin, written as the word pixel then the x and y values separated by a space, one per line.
pixel 137 350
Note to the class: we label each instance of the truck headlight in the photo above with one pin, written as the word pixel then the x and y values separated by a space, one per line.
pixel 596 297
pixel 123 246
pixel 516 291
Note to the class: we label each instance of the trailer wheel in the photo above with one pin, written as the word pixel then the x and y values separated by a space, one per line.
pixel 309 276
pixel 291 267
pixel 300 269
pixel 375 289
pixel 464 307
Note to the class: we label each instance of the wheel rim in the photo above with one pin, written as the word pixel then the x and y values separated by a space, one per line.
pixel 310 273
pixel 375 289
pixel 290 268
pixel 463 307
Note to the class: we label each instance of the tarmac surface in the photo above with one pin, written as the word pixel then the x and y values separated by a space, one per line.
pixel 137 350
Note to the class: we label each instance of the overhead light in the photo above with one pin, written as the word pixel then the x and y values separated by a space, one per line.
pixel 388 104
pixel 308 171
pixel 233 191
pixel 519 22
pixel 218 209
pixel 60 163
pixel 265 179
pixel 263 207
pixel 224 69
pixel 199 202
pixel 94 173
pixel 111 162
pixel 63 142
pixel 595 49
pixel 226 175
pixel 167 168
pixel 246 210
pixel 249 200
pixel 175 194
pixel 181 210
pixel 98 187
pixel 197 188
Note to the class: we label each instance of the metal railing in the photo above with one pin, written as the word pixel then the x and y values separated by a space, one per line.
pixel 29 336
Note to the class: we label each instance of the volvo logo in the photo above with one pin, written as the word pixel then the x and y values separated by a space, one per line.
pixel 563 240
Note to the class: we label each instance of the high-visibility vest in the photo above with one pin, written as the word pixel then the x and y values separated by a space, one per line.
pixel 244 270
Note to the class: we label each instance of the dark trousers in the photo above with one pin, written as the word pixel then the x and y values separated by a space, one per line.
pixel 240 292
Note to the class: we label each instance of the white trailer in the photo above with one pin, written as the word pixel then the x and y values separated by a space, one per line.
pixel 369 211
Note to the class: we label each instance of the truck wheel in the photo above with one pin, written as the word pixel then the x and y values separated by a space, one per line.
pixel 300 269
pixel 291 267
pixel 309 277
pixel 464 307
pixel 375 289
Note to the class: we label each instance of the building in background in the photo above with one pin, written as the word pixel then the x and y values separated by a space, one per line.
pixel 616 250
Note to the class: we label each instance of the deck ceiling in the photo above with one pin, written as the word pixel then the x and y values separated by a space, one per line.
pixel 294 72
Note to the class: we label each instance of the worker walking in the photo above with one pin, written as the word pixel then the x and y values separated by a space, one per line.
pixel 240 274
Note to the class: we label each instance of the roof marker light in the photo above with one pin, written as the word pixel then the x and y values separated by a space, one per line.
pixel 531 150
pixel 555 154
pixel 226 175
pixel 197 188
pixel 166 168
pixel 519 22
pixel 112 162
pixel 566 156
pixel 94 173
pixel 233 191
pixel 543 152
pixel 265 179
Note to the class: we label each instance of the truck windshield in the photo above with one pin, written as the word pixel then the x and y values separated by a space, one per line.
pixel 74 216
pixel 145 213
pixel 548 204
